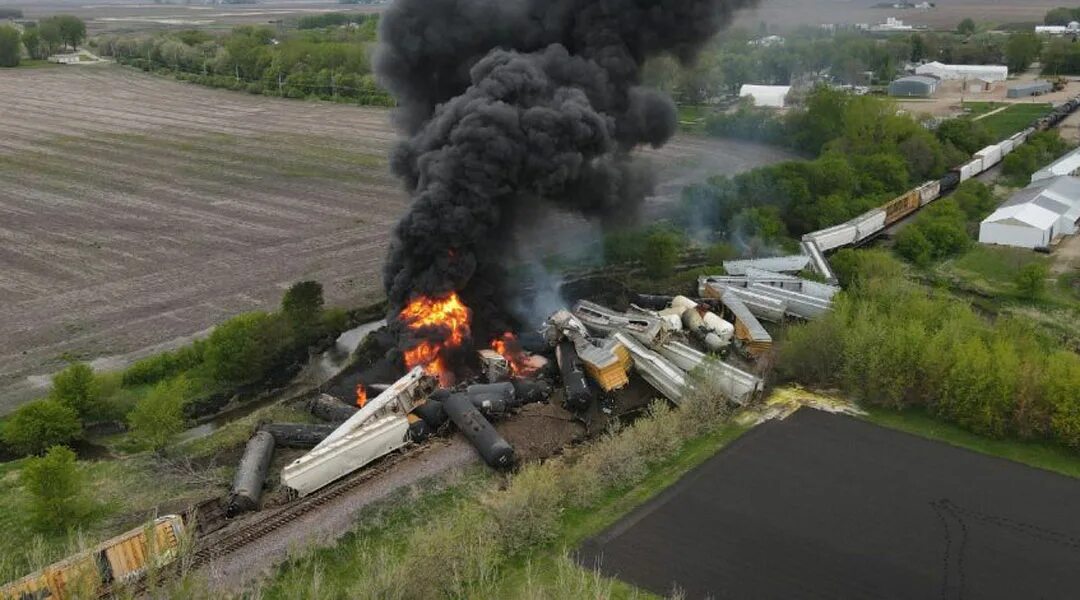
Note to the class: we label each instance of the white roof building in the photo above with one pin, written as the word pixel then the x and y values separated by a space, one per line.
pixel 1035 215
pixel 1073 27
pixel 766 95
pixel 989 73
pixel 1066 165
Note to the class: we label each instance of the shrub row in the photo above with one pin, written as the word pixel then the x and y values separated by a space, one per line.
pixel 890 343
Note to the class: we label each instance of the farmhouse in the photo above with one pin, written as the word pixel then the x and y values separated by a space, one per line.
pixel 1036 215
pixel 766 95
pixel 986 73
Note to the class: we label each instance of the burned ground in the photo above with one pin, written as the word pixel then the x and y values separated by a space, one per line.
pixel 136 210
pixel 826 506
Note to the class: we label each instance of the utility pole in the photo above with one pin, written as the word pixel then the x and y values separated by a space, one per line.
pixel 279 86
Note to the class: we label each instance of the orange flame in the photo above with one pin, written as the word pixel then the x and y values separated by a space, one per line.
pixel 510 349
pixel 361 395
pixel 449 314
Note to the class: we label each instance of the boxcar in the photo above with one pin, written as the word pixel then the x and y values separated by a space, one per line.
pixel 901 206
pixel 88 573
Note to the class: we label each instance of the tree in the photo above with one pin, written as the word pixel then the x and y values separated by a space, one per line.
pixel 1031 281
pixel 1021 50
pixel 31 39
pixel 160 415
pixel 55 485
pixel 966 27
pixel 1059 16
pixel 967 135
pixel 51 37
pixel 72 30
pixel 36 426
pixel 243 348
pixel 10 52
pixel 662 252
pixel 302 306
pixel 78 388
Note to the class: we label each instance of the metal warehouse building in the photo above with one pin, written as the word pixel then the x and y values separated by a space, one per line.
pixel 987 73
pixel 1035 215
pixel 1066 165
pixel 1034 88
pixel 914 86
pixel 766 95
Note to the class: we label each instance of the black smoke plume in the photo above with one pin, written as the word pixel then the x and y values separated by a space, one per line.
pixel 510 105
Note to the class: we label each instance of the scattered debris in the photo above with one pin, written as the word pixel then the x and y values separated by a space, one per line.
pixel 668 379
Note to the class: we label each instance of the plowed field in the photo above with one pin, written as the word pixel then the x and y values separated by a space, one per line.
pixel 136 210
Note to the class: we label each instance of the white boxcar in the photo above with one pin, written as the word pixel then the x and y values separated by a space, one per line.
pixel 869 223
pixel 990 155
pixel 1006 147
pixel 928 192
pixel 833 237
pixel 327 464
pixel 970 169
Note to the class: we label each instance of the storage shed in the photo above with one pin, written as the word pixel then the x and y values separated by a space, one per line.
pixel 1035 215
pixel 1033 88
pixel 766 95
pixel 914 86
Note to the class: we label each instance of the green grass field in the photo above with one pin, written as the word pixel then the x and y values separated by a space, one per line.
pixel 1013 119
pixel 975 109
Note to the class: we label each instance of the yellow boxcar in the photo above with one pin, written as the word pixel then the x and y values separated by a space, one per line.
pixel 902 206
pixel 119 559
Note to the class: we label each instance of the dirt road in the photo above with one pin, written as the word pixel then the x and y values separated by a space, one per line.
pixel 136 211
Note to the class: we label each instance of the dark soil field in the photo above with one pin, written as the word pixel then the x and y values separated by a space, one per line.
pixel 136 211
pixel 827 506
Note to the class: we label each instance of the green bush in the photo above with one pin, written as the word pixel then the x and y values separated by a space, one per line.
pixel 158 417
pixel 36 426
pixel 167 364
pixel 55 485
pixel 938 232
pixel 662 250
pixel 245 347
pixel 1031 281
pixel 78 387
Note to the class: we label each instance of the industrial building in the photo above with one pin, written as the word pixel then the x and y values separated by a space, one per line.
pixel 1036 215
pixel 914 86
pixel 774 96
pixel 986 73
pixel 1066 165
pixel 1033 88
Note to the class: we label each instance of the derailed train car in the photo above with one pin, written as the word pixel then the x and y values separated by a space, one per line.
pixel 88 574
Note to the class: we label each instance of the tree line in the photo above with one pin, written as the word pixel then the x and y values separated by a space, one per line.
pixel 865 153
pixel 241 351
pixel 331 62
pixel 893 343
pixel 40 39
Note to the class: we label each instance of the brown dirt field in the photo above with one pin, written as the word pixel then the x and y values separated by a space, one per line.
pixel 136 211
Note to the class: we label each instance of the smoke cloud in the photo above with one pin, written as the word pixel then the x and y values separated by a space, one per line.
pixel 510 105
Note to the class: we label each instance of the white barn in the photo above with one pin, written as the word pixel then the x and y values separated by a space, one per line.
pixel 766 95
pixel 1035 215
pixel 987 73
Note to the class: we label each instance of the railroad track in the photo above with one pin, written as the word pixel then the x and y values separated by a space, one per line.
pixel 210 550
